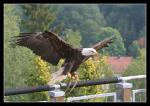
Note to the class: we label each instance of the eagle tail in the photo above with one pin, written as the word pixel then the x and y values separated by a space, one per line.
pixel 57 76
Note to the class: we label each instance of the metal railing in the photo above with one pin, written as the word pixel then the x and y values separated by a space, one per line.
pixel 17 91
pixel 113 94
pixel 134 92
pixel 124 89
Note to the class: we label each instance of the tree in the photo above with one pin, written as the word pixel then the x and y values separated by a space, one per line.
pixel 117 47
pixel 37 17
pixel 40 76
pixel 143 32
pixel 138 67
pixel 128 19
pixel 73 38
pixel 134 49
pixel 87 19
pixel 16 60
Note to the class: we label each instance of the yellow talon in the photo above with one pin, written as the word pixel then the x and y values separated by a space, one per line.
pixel 73 77
pixel 68 75
pixel 76 76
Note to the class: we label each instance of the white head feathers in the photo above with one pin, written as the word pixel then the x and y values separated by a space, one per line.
pixel 88 52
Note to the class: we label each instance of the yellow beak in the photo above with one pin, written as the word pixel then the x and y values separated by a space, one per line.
pixel 96 53
pixel 95 56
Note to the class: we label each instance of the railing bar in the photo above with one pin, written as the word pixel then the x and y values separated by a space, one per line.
pixel 115 97
pixel 63 86
pixel 137 91
pixel 91 96
pixel 133 77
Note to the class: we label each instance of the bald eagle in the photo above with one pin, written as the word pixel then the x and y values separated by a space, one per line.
pixel 51 48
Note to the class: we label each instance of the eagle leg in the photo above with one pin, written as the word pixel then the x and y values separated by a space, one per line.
pixel 69 76
pixel 76 78
pixel 72 76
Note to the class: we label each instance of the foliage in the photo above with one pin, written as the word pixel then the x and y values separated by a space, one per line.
pixel 138 67
pixel 92 70
pixel 115 48
pixel 134 49
pixel 143 32
pixel 128 19
pixel 39 76
pixel 37 17
pixel 16 60
pixel 73 38
pixel 87 19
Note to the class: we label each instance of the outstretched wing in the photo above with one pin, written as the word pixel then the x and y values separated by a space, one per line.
pixel 47 45
pixel 103 43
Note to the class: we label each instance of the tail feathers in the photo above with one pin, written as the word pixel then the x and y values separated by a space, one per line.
pixel 57 77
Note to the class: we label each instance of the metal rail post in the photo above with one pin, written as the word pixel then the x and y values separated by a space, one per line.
pixel 57 95
pixel 124 92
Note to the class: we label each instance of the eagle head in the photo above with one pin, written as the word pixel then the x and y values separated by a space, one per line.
pixel 89 52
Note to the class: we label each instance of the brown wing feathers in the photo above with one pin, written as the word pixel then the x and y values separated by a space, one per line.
pixel 60 45
pixel 50 47
pixel 103 43
pixel 47 45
